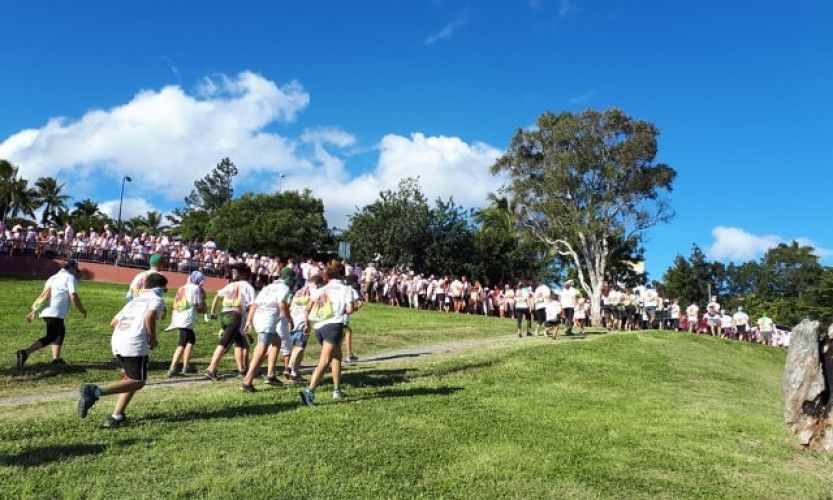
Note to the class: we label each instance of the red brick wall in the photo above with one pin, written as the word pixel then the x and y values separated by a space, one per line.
pixel 43 267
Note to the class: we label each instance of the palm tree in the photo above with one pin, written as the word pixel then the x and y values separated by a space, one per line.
pixel 23 199
pixel 86 207
pixel 153 222
pixel 499 215
pixel 8 174
pixel 49 194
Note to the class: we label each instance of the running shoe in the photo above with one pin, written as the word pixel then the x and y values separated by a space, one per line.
pixel 212 375
pixel 248 388
pixel 338 394
pixel 59 361
pixel 352 358
pixel 21 359
pixel 189 368
pixel 296 379
pixel 172 373
pixel 114 423
pixel 307 397
pixel 272 381
pixel 86 399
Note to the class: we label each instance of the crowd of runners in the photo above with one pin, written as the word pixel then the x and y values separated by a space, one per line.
pixel 267 317
pixel 271 325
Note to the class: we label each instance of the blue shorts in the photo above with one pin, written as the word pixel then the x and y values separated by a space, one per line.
pixel 298 338
pixel 265 337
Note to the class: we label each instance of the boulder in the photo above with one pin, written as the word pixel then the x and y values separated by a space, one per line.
pixel 807 402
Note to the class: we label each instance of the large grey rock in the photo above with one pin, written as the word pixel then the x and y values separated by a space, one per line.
pixel 805 411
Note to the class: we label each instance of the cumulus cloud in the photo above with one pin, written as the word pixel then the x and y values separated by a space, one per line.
pixel 446 166
pixel 165 139
pixel 131 207
pixel 736 244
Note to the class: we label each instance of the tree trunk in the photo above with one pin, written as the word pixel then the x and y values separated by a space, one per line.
pixel 808 382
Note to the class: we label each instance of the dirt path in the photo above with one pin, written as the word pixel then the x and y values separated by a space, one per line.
pixel 383 357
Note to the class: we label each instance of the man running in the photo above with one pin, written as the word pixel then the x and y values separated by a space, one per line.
pixel 692 316
pixel 137 285
pixel 53 305
pixel 189 300
pixel 741 322
pixel 268 314
pixel 236 297
pixel 523 299
pixel 568 306
pixel 134 335
pixel 542 296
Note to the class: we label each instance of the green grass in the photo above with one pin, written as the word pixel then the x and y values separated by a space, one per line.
pixel 624 415
pixel 87 346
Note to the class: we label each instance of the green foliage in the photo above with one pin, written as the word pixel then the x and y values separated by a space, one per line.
pixel 282 224
pixel 190 224
pixel 394 227
pixel 49 195
pixel 86 215
pixel 215 189
pixel 587 185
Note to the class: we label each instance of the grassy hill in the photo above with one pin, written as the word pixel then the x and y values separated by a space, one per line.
pixel 624 415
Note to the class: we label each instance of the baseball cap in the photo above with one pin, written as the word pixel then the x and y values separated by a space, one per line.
pixel 154 260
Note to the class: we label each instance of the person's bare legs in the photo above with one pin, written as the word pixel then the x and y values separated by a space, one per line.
pixel 219 352
pixel 272 362
pixel 186 354
pixel 240 358
pixel 175 358
pixel 335 367
pixel 56 351
pixel 295 359
pixel 254 366
pixel 323 361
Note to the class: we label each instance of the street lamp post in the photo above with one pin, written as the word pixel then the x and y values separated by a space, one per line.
pixel 280 183
pixel 121 199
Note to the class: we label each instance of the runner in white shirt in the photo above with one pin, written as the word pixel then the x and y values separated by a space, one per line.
pixel 355 298
pixel 189 300
pixel 568 297
pixel 741 323
pixel 53 305
pixel 675 315
pixel 541 297
pixel 766 327
pixel 650 301
pixel 327 310
pixel 727 329
pixel 269 318
pixel 236 297
pixel 553 312
pixel 580 314
pixel 713 316
pixel 300 335
pixel 692 316
pixel 523 301
pixel 134 335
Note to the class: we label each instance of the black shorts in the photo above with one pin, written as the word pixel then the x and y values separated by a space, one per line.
pixel 332 333
pixel 232 321
pixel 186 336
pixel 540 315
pixel 134 367
pixel 55 332
pixel 441 298
pixel 522 312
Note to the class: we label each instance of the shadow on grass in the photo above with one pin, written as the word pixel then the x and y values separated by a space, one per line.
pixel 371 359
pixel 48 454
pixel 38 371
pixel 376 378
pixel 408 393
pixel 458 368
pixel 254 410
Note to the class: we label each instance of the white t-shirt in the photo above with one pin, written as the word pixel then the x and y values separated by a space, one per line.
pixel 237 296
pixel 553 310
pixel 339 295
pixel 185 306
pixel 568 297
pixel 522 296
pixel 298 306
pixel 741 318
pixel 692 311
pixel 542 295
pixel 765 324
pixel 130 337
pixel 456 288
pixel 713 308
pixel 650 298
pixel 137 285
pixel 675 311
pixel 268 311
pixel 61 284
pixel 726 321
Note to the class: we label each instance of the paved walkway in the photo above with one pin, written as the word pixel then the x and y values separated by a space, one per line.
pixel 384 357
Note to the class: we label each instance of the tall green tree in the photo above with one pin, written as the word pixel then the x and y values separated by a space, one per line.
pixel 449 244
pixel 49 194
pixel 215 189
pixel 8 175
pixel 394 227
pixel 86 207
pixel 287 224
pixel 23 200
pixel 691 280
pixel 586 183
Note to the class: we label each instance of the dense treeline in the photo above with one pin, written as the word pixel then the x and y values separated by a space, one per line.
pixel 788 283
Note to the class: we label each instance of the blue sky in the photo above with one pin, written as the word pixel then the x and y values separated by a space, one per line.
pixel 346 97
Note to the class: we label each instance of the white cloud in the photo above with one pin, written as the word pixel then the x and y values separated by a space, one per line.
pixel 736 244
pixel 446 166
pixel 164 139
pixel 446 32
pixel 167 138
pixel 131 207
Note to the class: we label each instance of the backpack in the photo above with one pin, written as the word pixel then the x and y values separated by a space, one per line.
pixel 322 308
